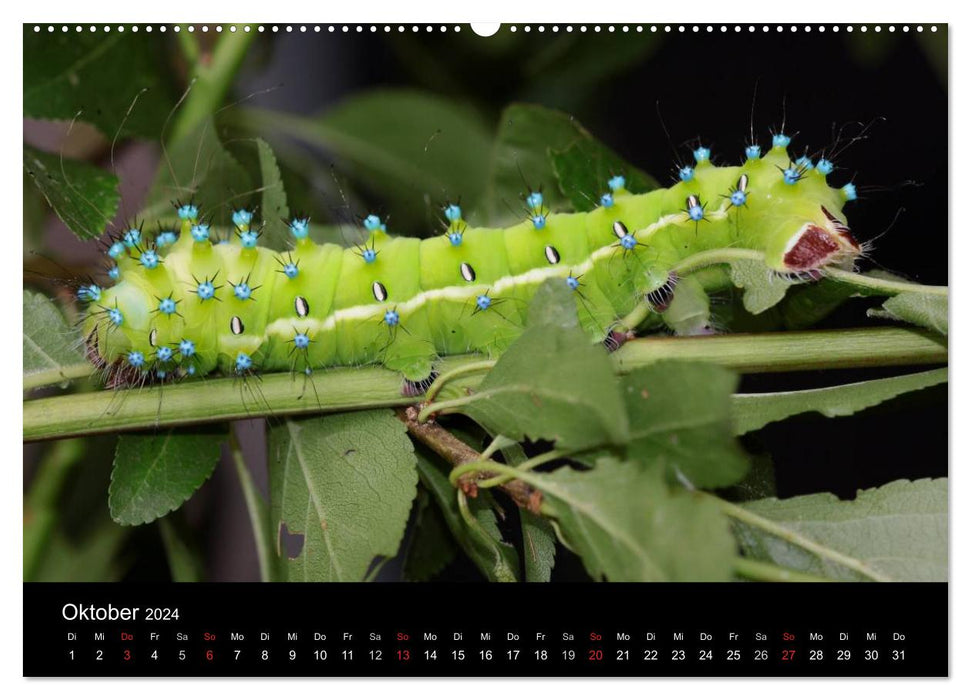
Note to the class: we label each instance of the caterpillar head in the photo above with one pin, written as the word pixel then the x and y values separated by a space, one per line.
pixel 824 240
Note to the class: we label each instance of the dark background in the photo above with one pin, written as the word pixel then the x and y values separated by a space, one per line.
pixel 703 84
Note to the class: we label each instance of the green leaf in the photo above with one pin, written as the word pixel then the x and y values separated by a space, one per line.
pixel 539 546
pixel 520 157
pixel 763 287
pixel 185 563
pixel 273 209
pixel 753 411
pixel 583 168
pixel 51 345
pixel 478 538
pixel 808 304
pixel 405 146
pixel 96 77
pixel 93 557
pixel 84 197
pixel 681 412
pixel 552 384
pixel 895 532
pixel 156 473
pixel 431 547
pixel 927 310
pixel 346 483
pixel 199 168
pixel 628 524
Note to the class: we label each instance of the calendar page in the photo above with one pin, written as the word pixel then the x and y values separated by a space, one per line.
pixel 331 330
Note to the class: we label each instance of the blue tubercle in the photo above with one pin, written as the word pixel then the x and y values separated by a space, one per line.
pixel 114 272
pixel 248 239
pixel 534 200
pixel 149 259
pixel 164 353
pixel 453 212
pixel 391 317
pixel 136 359
pixel 849 191
pixel 483 302
pixel 696 212
pixel 805 163
pixel 243 362
pixel 791 176
pixel 372 222
pixel 132 237
pixel 165 238
pixel 187 348
pixel 780 141
pixel 824 166
pixel 187 212
pixel 455 238
pixel 702 154
pixel 301 341
pixel 607 200
pixel 167 306
pixel 617 182
pixel 242 217
pixel 738 198
pixel 300 228
pixel 369 255
pixel 291 270
pixel 686 173
pixel 628 242
pixel 539 221
pixel 161 373
pixel 242 291
pixel 190 370
pixel 115 316
pixel 116 250
pixel 200 233
pixel 753 151
pixel 572 282
pixel 206 290
pixel 89 292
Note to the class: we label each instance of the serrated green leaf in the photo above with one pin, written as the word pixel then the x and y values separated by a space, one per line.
pixel 480 540
pixel 681 412
pixel 50 344
pixel 810 303
pixel 156 473
pixel 406 146
pixel 927 310
pixel 763 289
pixel 753 411
pixel 432 546
pixel 583 168
pixel 199 168
pixel 96 77
pixel 628 524
pixel 539 546
pixel 94 558
pixel 273 208
pixel 552 384
pixel 84 197
pixel 346 483
pixel 895 532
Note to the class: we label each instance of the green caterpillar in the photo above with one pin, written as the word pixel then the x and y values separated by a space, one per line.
pixel 188 305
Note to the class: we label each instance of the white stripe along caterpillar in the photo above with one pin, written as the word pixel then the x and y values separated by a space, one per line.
pixel 187 305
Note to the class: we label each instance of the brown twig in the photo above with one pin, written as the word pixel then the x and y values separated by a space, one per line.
pixel 456 452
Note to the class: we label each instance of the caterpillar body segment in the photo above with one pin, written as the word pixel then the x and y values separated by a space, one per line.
pixel 191 305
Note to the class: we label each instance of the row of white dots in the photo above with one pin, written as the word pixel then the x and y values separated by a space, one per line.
pixel 667 28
